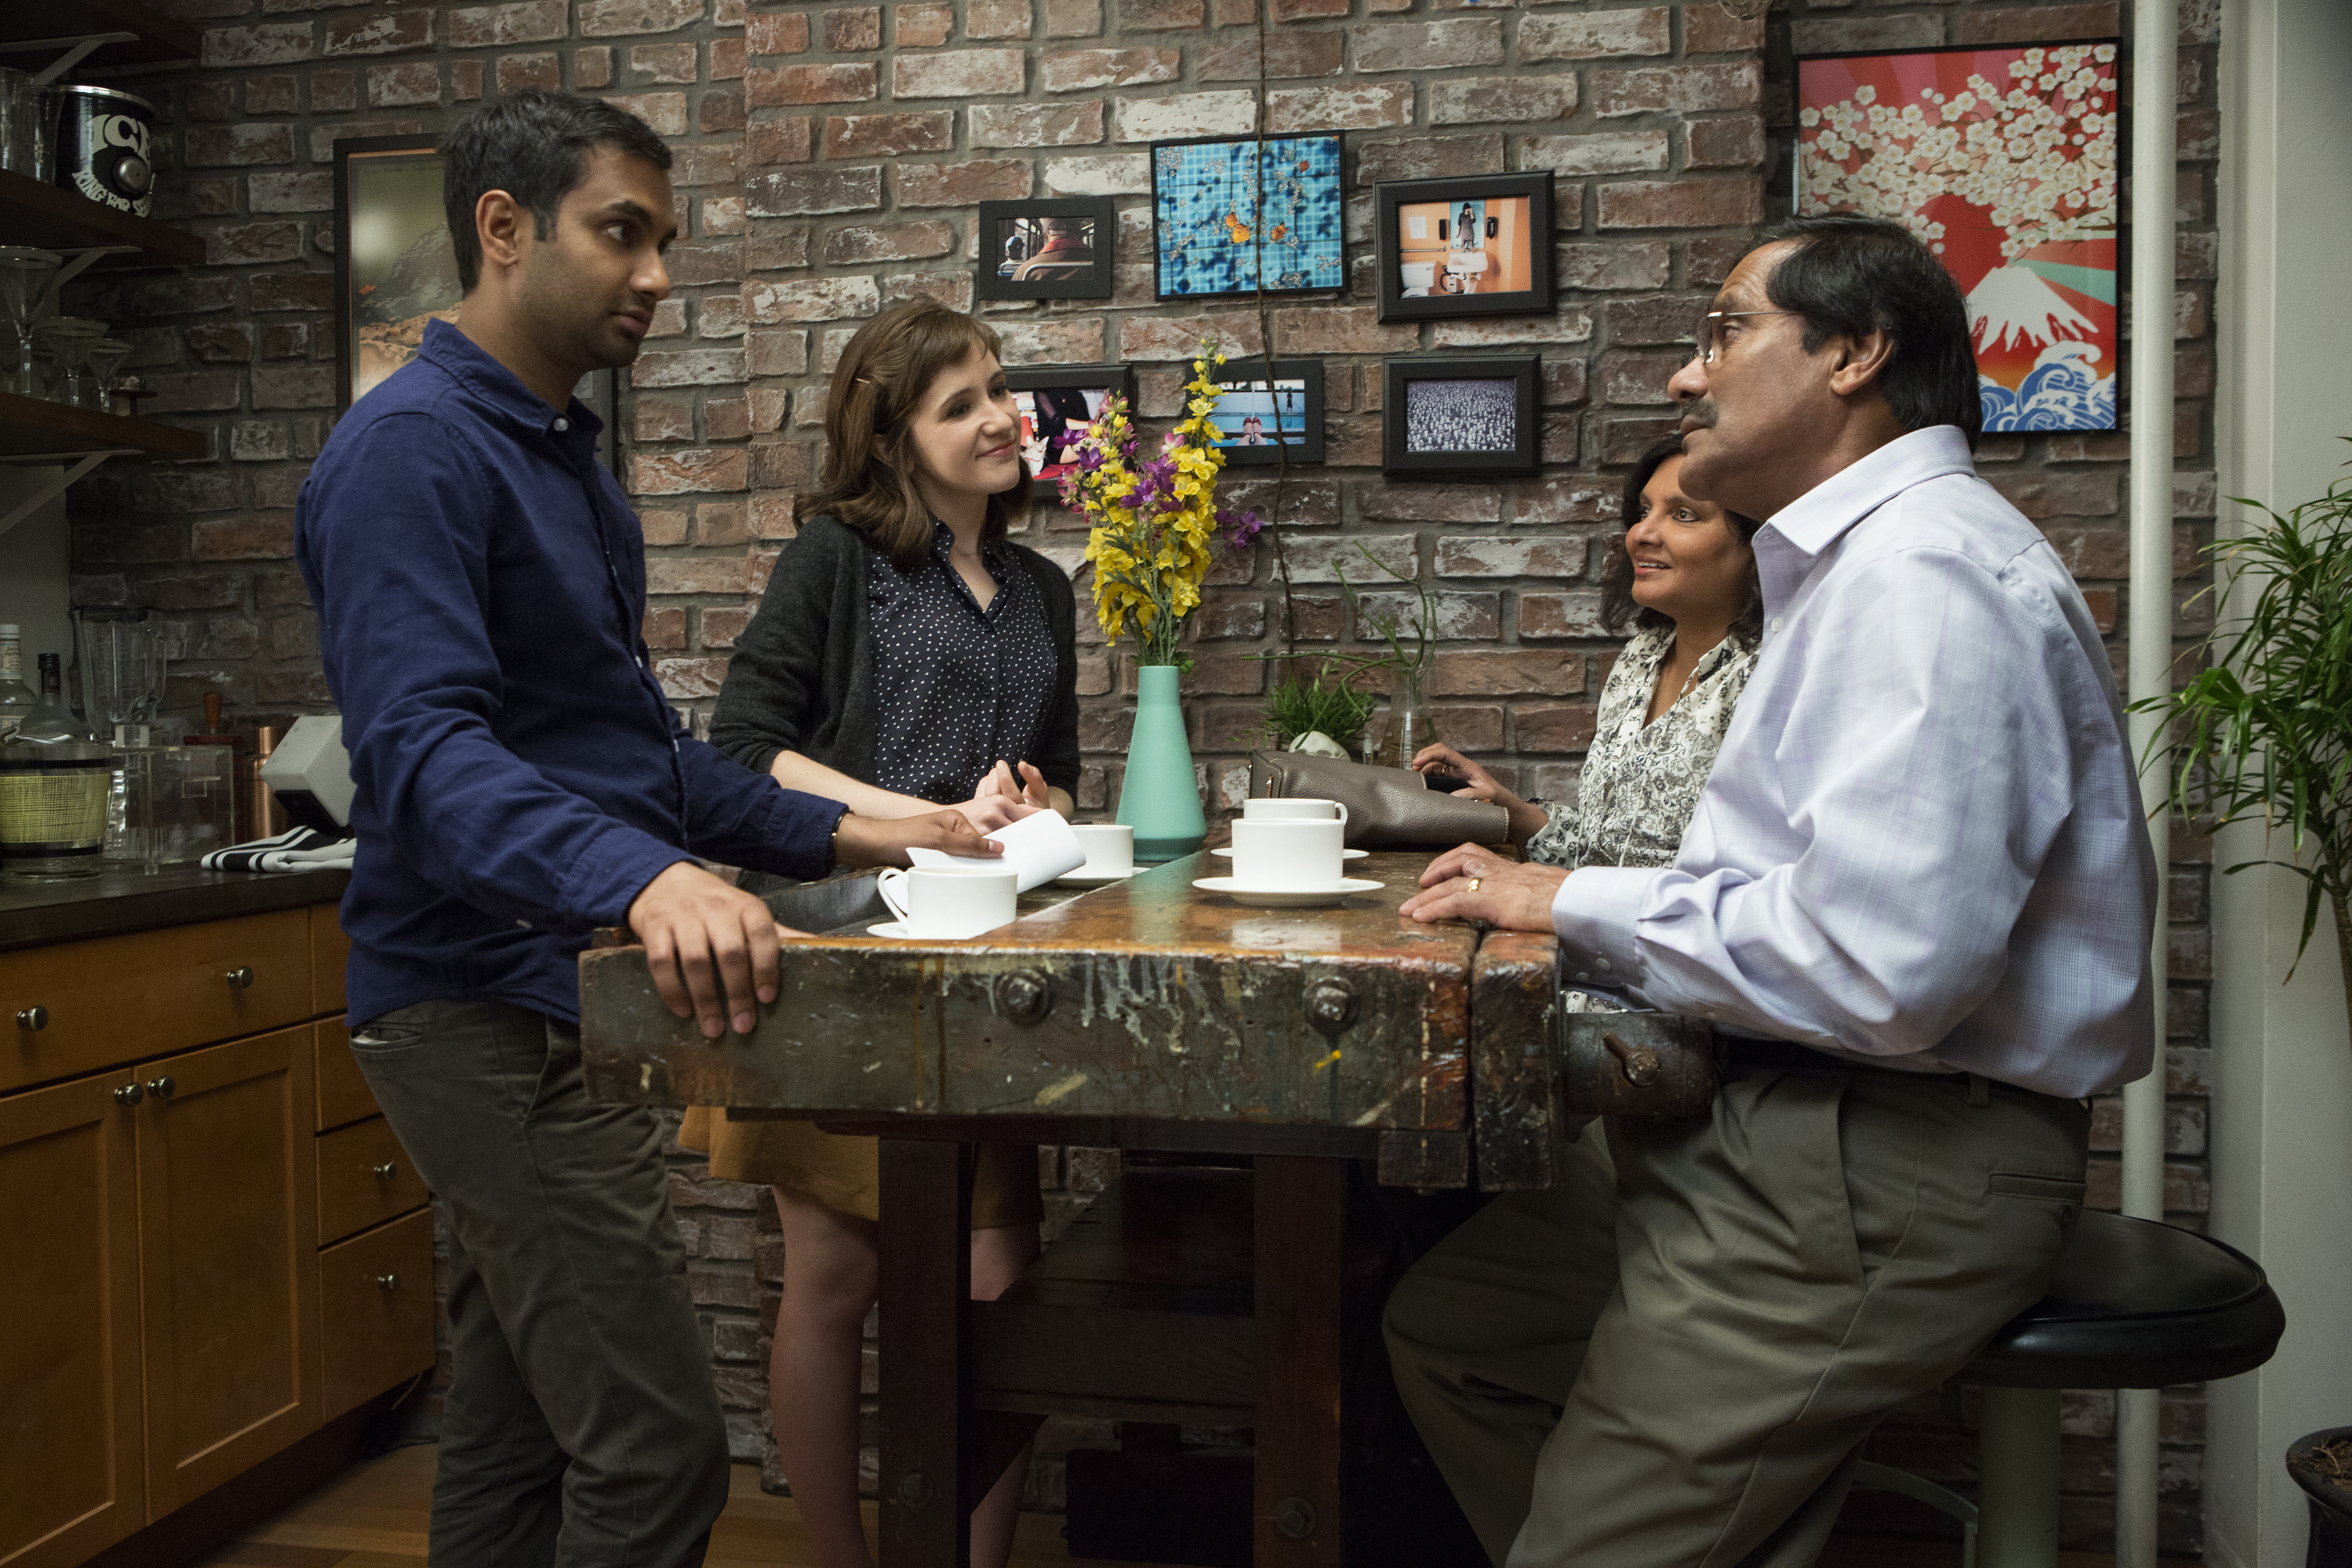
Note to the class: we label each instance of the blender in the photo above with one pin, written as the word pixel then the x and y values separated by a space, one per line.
pixel 121 687
pixel 24 275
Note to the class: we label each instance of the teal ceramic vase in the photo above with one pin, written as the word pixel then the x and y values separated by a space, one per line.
pixel 1158 797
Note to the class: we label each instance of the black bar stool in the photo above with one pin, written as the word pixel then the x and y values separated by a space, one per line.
pixel 2135 1304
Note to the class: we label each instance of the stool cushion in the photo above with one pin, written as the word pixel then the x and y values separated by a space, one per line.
pixel 2136 1304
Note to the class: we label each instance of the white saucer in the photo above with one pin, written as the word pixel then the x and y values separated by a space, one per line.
pixel 896 930
pixel 1082 877
pixel 1344 854
pixel 1288 898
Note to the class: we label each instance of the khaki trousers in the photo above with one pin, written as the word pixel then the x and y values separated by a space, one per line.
pixel 1674 1356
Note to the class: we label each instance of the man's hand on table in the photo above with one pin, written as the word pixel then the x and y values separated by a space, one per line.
pixel 885 840
pixel 1475 884
pixel 711 947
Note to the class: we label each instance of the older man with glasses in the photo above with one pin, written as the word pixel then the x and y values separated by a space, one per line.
pixel 1917 900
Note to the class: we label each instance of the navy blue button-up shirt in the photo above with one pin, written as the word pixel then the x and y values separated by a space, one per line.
pixel 520 777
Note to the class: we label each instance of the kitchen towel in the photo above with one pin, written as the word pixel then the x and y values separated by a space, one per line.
pixel 297 849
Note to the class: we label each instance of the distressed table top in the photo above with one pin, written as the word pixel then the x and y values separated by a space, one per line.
pixel 1148 1001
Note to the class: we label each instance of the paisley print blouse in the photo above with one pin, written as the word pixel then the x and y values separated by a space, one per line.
pixel 1642 782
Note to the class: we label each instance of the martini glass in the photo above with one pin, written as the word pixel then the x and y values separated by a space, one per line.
pixel 24 276
pixel 105 356
pixel 70 337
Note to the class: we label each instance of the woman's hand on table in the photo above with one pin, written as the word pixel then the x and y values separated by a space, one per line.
pixel 885 840
pixel 1473 883
pixel 709 947
pixel 1527 820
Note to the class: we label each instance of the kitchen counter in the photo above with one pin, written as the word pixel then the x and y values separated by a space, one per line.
pixel 116 901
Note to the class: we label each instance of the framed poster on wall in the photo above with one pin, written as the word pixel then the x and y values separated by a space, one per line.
pixel 395 271
pixel 1476 245
pixel 2005 162
pixel 1229 213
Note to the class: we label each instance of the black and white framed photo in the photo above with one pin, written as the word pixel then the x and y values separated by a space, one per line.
pixel 1478 245
pixel 1059 404
pixel 396 272
pixel 1234 214
pixel 1461 416
pixel 1046 250
pixel 1270 415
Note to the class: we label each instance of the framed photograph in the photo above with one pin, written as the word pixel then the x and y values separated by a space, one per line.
pixel 1461 416
pixel 395 271
pixel 1271 418
pixel 1480 245
pixel 1057 250
pixel 2005 162
pixel 1059 404
pixel 1229 212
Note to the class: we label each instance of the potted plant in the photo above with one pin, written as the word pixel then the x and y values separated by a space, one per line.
pixel 1153 524
pixel 1326 705
pixel 2264 731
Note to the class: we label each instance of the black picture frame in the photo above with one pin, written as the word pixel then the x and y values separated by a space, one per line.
pixel 1405 451
pixel 1093 281
pixel 1243 375
pixel 1320 159
pixel 1033 379
pixel 1529 254
pixel 385 178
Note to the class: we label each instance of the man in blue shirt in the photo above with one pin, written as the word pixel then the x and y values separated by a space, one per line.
pixel 521 779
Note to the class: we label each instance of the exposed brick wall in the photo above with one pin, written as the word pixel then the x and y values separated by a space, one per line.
pixel 827 159
pixel 2074 489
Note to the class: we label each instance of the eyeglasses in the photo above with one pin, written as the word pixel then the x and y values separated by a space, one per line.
pixel 1709 337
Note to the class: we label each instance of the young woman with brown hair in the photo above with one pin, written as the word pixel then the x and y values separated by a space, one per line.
pixel 906 655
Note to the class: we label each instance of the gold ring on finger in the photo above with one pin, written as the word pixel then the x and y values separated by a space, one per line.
pixel 1474 881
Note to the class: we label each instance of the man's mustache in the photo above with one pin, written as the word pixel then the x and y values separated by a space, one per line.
pixel 1699 413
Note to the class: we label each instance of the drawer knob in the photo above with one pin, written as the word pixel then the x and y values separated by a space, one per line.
pixel 387 1281
pixel 35 1018
pixel 240 977
pixel 129 1094
pixel 161 1087
pixel 386 1171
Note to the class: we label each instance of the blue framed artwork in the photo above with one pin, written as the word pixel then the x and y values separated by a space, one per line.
pixel 1230 215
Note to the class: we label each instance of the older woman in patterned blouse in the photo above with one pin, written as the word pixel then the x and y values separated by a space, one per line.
pixel 1684 577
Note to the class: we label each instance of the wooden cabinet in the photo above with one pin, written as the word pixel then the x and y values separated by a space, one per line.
pixel 71 1477
pixel 228 1236
pixel 173 1310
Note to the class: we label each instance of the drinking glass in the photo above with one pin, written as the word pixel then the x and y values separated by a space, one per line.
pixel 24 275
pixel 70 338
pixel 21 140
pixel 105 356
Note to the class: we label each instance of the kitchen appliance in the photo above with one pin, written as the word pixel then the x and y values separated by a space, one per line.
pixel 311 774
pixel 53 796
pixel 105 142
pixel 121 670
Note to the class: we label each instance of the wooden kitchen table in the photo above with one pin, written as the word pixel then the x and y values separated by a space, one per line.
pixel 1144 1014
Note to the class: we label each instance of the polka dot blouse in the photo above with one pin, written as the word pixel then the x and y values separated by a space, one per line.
pixel 956 687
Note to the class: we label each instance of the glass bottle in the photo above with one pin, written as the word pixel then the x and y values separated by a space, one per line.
pixel 51 720
pixel 17 701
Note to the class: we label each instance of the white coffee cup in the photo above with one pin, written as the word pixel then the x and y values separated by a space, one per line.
pixel 1300 809
pixel 1287 853
pixel 951 902
pixel 1039 847
pixel 1109 846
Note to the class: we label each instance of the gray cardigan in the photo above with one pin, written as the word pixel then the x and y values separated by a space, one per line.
pixel 803 676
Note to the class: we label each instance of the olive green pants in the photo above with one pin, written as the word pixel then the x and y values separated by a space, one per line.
pixel 1673 1356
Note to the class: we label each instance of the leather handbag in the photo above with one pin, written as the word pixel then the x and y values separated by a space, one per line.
pixel 1388 809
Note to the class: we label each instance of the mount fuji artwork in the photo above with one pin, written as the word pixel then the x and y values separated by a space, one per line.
pixel 2003 160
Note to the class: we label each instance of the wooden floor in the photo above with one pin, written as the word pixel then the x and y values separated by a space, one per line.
pixel 373 1516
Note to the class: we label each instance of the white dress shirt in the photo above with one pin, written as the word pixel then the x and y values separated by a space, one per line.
pixel 1922 843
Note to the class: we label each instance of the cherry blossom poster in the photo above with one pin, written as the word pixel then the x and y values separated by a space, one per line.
pixel 2004 162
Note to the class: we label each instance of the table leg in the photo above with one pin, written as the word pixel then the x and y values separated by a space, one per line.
pixel 927 1419
pixel 1301 1220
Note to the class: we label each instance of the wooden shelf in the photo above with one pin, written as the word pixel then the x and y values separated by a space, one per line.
pixel 161 38
pixel 31 427
pixel 35 213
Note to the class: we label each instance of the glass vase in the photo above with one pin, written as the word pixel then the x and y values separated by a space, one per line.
pixel 1158 795
pixel 1409 728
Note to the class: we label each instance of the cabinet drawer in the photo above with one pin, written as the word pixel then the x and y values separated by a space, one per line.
pixel 364 1179
pixel 117 998
pixel 343 1093
pixel 330 951
pixel 375 1311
